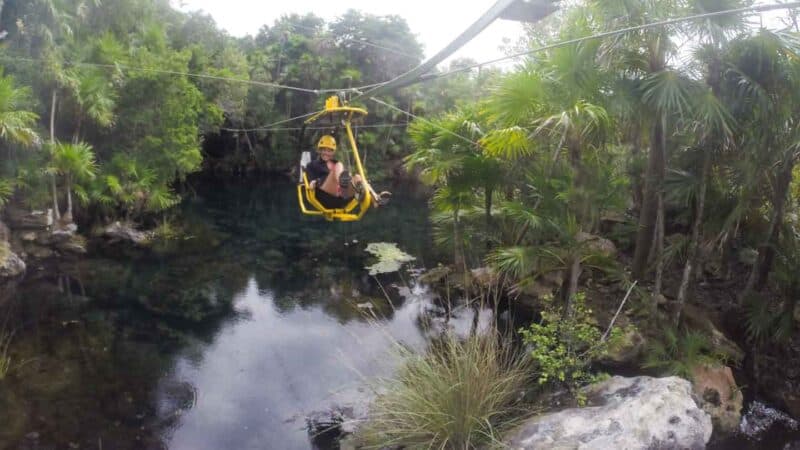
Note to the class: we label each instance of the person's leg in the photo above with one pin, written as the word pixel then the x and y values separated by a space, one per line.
pixel 357 184
pixel 331 183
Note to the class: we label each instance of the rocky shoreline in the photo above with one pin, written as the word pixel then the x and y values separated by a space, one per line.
pixel 30 238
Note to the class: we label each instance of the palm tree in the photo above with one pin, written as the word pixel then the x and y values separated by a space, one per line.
pixel 551 108
pixel 16 124
pixel 451 160
pixel 763 80
pixel 642 58
pixel 76 163
pixel 94 98
pixel 712 123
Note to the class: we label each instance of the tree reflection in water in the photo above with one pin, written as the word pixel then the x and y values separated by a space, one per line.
pixel 222 336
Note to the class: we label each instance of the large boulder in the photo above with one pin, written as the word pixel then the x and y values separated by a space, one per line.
pixel 716 390
pixel 624 413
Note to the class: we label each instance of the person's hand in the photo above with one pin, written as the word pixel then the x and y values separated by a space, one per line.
pixel 313 184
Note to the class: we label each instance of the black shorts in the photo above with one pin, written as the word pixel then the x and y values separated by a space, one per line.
pixel 331 201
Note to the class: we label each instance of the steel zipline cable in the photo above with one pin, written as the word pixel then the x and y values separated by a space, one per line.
pixel 667 22
pixel 268 127
pixel 364 91
pixel 192 75
pixel 749 9
pixel 373 125
pixel 416 117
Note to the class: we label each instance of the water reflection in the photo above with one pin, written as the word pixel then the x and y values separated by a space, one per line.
pixel 259 379
pixel 223 337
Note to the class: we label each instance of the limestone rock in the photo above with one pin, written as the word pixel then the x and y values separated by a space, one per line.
pixel 719 396
pixel 5 233
pixel 545 285
pixel 344 410
pixel 698 320
pixel 625 413
pixel 125 232
pixel 760 419
pixel 36 251
pixel 11 265
pixel 62 234
pixel 627 350
pixel 75 245
pixel 29 220
pixel 485 277
pixel 598 244
pixel 436 275
pixel 28 236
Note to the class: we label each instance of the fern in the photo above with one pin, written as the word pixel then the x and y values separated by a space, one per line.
pixel 765 322
pixel 678 353
pixel 6 190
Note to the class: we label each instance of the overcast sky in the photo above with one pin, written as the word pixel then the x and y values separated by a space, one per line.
pixel 435 22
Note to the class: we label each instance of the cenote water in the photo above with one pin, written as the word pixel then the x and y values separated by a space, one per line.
pixel 224 337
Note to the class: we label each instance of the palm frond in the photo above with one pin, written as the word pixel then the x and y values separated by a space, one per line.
pixel 508 143
pixel 667 92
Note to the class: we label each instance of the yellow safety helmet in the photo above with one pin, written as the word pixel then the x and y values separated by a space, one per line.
pixel 327 141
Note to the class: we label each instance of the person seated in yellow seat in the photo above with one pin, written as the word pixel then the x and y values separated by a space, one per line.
pixel 333 185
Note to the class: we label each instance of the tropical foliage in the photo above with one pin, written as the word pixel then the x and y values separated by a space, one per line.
pixel 158 94
pixel 678 141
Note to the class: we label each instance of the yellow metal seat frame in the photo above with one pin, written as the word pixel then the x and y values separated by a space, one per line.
pixel 306 195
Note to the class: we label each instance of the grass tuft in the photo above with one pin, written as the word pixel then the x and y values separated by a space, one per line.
pixel 459 395
pixel 5 359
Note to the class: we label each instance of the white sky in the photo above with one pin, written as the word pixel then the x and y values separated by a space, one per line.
pixel 435 22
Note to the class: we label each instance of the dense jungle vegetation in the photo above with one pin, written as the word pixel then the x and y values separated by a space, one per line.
pixel 677 143
pixel 99 120
pixel 689 131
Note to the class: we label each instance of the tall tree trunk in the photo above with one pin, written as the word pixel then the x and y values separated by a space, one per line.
pixel 487 203
pixel 636 178
pixel 53 103
pixel 759 273
pixel 574 276
pixel 569 288
pixel 458 253
pixel 652 185
pixel 658 244
pixel 76 136
pixel 68 187
pixel 694 244
pixel 249 144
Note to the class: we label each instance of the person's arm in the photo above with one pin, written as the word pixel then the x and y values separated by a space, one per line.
pixel 316 171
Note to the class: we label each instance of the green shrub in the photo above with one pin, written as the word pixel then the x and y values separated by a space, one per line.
pixel 678 353
pixel 564 345
pixel 458 395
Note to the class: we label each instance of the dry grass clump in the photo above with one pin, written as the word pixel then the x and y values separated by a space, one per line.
pixel 459 395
